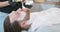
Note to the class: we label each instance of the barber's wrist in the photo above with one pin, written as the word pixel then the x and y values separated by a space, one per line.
pixel 7 2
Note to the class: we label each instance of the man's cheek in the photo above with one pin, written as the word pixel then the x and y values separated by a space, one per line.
pixel 22 16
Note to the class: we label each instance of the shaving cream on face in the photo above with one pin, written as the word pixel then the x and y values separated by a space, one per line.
pixel 28 22
pixel 22 16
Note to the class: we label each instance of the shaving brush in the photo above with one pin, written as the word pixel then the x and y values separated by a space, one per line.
pixel 28 3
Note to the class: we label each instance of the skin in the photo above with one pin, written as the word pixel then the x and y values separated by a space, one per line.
pixel 5 3
pixel 14 15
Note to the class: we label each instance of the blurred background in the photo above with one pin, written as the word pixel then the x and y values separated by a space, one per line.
pixel 40 5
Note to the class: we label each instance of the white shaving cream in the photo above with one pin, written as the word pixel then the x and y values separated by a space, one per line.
pixel 22 15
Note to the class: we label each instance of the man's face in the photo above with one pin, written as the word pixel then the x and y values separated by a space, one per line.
pixel 16 15
pixel 23 23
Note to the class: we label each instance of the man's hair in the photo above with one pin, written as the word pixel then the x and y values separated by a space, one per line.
pixel 11 27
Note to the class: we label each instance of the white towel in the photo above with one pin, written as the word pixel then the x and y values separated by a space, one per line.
pixel 45 18
pixel 22 15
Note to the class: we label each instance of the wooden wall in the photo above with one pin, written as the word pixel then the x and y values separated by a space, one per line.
pixel 39 1
pixel 48 1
